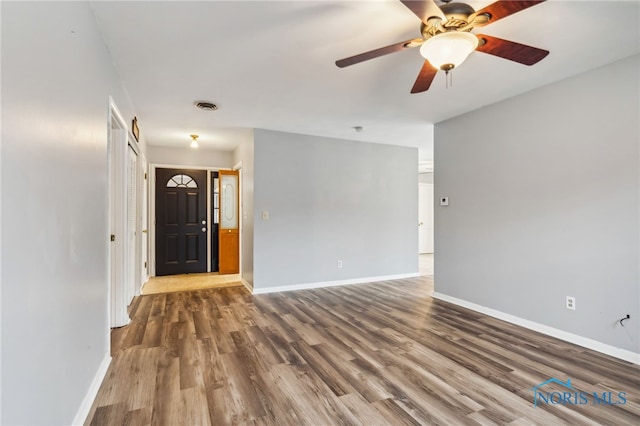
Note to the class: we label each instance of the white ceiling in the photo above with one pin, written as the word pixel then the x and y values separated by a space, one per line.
pixel 271 65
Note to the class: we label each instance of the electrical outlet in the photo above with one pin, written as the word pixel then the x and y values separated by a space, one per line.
pixel 339 264
pixel 571 303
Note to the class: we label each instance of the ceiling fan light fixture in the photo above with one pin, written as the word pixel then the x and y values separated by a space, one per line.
pixel 448 50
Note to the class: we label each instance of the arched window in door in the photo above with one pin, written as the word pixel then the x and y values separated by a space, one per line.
pixel 181 181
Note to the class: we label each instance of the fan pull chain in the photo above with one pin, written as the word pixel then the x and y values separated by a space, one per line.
pixel 448 78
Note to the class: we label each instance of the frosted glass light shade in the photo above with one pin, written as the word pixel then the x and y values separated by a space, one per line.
pixel 448 50
pixel 194 141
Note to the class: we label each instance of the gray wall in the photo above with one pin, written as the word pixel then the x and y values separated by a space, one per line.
pixel 55 92
pixel 189 157
pixel 331 199
pixel 244 153
pixel 545 204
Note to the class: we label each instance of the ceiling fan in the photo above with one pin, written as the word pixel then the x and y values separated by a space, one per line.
pixel 447 39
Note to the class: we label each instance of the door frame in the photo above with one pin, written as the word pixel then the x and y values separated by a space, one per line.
pixel 144 222
pixel 141 199
pixel 117 141
pixel 132 225
pixel 152 210
pixel 238 168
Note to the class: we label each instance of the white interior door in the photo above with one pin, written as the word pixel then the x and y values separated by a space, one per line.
pixel 425 218
pixel 117 217
pixel 144 223
pixel 132 225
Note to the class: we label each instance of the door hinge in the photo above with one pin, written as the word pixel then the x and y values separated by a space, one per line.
pixel 113 237
pixel 145 265
pixel 145 176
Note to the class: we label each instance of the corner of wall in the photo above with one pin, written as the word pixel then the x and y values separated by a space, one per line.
pixel 92 392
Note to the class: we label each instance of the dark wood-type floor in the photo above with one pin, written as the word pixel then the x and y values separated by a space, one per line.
pixel 376 354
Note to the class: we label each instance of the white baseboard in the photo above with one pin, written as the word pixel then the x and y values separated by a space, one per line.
pixel 87 402
pixel 544 329
pixel 308 286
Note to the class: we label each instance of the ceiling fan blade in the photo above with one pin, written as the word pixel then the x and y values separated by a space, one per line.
pixel 510 50
pixel 425 77
pixel 341 63
pixel 424 9
pixel 504 8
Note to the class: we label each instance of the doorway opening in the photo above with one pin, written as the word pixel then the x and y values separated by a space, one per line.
pixel 425 218
pixel 192 207
pixel 426 229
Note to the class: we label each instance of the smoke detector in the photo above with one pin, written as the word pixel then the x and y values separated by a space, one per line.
pixel 206 106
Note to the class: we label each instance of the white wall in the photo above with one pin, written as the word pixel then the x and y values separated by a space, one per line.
pixel 57 77
pixel 331 199
pixel 545 204
pixel 189 157
pixel 244 153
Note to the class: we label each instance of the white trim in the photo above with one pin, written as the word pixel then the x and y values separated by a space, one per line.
pixel 178 166
pixel 138 266
pixel 144 222
pixel 247 285
pixel 544 329
pixel 92 392
pixel 332 283
pixel 151 224
pixel 238 168
pixel 209 201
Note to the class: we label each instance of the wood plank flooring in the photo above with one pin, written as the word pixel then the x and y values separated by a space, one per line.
pixel 378 354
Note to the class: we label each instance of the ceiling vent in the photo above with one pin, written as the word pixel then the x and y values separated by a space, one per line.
pixel 206 106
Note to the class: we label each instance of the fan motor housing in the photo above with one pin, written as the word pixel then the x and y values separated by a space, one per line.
pixel 460 11
pixel 457 14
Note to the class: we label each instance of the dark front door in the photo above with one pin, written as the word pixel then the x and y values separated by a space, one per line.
pixel 181 221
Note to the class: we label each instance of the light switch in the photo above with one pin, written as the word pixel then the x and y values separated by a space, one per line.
pixel 265 215
pixel 444 201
